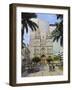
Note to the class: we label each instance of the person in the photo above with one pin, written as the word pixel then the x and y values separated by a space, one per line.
pixel 53 67
pixel 50 63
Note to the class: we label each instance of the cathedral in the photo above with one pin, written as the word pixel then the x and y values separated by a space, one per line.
pixel 41 42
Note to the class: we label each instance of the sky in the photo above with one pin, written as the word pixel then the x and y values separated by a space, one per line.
pixel 50 18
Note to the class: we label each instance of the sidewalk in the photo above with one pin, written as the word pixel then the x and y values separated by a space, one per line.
pixel 45 72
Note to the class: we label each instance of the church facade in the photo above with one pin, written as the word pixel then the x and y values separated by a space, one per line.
pixel 41 42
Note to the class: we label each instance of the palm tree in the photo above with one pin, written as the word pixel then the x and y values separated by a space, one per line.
pixel 27 22
pixel 57 34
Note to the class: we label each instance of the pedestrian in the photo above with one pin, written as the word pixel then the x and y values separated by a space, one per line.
pixel 53 67
pixel 50 67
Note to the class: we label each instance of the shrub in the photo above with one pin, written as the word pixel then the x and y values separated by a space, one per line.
pixel 36 59
pixel 56 57
pixel 49 59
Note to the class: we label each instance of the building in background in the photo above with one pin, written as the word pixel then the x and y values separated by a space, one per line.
pixel 41 42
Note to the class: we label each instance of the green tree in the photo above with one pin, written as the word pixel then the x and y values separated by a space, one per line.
pixel 49 59
pixel 27 22
pixel 56 57
pixel 57 34
pixel 36 59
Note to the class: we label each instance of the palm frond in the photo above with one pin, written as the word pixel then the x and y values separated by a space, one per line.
pixel 59 16
pixel 26 22
pixel 26 27
pixel 28 15
pixel 22 32
pixel 32 25
pixel 54 39
pixel 61 41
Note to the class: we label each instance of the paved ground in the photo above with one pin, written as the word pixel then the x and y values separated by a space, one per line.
pixel 45 72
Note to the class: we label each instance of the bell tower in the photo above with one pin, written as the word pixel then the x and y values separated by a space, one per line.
pixel 49 43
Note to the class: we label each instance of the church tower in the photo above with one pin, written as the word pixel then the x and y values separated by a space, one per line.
pixel 49 43
pixel 41 41
pixel 35 43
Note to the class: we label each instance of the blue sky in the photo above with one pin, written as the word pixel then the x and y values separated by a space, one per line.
pixel 51 18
